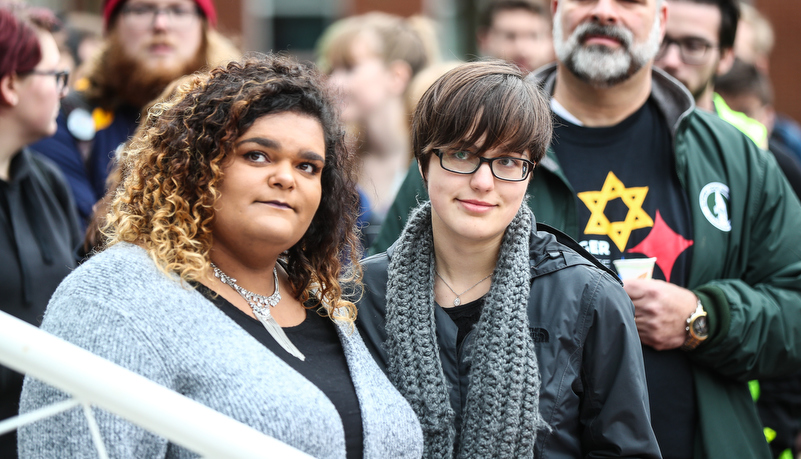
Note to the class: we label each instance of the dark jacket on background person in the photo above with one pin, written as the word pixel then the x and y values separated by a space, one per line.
pixel 788 164
pixel 39 234
pixel 748 277
pixel 593 394
pixel 84 146
pixel 787 132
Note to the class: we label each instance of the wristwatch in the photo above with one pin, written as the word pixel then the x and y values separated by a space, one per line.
pixel 697 328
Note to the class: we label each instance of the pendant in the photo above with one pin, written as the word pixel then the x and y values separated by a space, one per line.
pixel 275 330
pixel 261 305
pixel 457 301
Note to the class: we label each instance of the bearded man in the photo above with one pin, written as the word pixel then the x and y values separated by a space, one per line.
pixel 636 171
pixel 148 44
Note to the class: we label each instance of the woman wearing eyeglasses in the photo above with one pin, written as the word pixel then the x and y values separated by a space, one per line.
pixel 506 337
pixel 38 226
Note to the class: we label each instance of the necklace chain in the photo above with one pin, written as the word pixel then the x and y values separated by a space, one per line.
pixel 457 301
pixel 261 304
pixel 258 303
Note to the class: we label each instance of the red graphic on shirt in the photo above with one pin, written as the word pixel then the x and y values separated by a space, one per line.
pixel 664 244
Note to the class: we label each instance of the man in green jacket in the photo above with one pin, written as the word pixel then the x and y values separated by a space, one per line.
pixel 636 171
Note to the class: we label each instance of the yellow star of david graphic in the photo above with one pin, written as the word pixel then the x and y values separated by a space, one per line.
pixel 633 198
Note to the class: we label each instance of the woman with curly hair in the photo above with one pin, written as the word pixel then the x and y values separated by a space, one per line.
pixel 220 278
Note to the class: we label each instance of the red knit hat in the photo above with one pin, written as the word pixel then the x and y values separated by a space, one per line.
pixel 206 6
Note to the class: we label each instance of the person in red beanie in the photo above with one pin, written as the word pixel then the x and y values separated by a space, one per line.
pixel 148 44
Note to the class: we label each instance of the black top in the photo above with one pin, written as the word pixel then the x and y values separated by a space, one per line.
pixel 631 205
pixel 325 365
pixel 39 233
pixel 465 316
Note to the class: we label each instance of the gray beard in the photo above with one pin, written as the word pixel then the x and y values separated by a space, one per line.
pixel 598 65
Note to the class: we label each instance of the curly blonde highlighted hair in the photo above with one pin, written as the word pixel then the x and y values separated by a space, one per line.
pixel 172 168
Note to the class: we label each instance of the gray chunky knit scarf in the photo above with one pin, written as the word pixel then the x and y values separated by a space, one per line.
pixel 502 413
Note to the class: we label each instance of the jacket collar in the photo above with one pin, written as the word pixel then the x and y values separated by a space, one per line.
pixel 671 97
pixel 552 250
pixel 20 167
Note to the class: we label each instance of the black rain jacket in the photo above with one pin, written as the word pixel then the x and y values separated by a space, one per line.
pixel 593 395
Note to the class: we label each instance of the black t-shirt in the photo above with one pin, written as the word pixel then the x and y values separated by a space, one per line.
pixel 465 316
pixel 325 365
pixel 631 205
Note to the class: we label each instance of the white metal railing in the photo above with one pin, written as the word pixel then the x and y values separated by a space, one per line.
pixel 94 381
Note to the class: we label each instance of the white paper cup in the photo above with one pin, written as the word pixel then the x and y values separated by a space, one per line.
pixel 635 268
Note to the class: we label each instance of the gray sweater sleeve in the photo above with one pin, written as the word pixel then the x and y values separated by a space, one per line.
pixel 67 434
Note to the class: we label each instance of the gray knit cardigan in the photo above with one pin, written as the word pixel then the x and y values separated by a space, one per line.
pixel 120 306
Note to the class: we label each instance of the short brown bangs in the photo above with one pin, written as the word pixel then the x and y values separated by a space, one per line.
pixel 495 111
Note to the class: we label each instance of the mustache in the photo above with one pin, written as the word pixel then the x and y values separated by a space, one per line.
pixel 619 33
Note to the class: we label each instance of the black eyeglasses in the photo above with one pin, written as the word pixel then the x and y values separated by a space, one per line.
pixel 62 77
pixel 143 15
pixel 692 50
pixel 506 168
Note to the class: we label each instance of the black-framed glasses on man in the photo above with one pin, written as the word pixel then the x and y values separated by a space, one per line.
pixel 508 168
pixel 692 50
pixel 62 77
pixel 143 15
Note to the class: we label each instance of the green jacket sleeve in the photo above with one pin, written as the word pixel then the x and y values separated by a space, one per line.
pixel 411 193
pixel 755 305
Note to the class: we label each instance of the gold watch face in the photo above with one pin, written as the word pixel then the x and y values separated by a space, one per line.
pixel 699 327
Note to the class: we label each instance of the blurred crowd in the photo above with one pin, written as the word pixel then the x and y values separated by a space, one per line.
pixel 75 87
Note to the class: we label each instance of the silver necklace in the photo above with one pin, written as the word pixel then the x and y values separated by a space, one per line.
pixel 261 305
pixel 457 301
